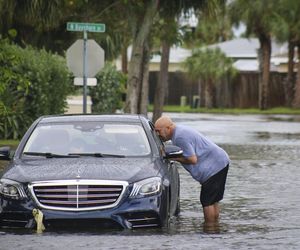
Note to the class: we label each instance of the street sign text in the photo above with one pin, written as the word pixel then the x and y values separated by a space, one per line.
pixel 90 27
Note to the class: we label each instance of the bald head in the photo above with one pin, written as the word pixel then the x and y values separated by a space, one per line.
pixel 164 126
pixel 164 121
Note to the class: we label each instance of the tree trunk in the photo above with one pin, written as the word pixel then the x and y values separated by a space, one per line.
pixel 160 89
pixel 209 94
pixel 124 60
pixel 144 92
pixel 200 91
pixel 134 80
pixel 289 81
pixel 296 101
pixel 141 32
pixel 265 43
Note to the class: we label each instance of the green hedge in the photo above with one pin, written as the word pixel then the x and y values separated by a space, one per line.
pixel 107 95
pixel 32 83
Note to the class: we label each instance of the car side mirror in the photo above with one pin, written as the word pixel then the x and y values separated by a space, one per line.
pixel 5 153
pixel 173 151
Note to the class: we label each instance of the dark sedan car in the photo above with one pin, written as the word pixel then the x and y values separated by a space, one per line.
pixel 105 170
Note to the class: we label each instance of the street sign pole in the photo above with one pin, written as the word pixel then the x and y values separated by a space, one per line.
pixel 85 27
pixel 84 71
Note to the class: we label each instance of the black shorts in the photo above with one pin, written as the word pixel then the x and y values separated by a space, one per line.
pixel 212 190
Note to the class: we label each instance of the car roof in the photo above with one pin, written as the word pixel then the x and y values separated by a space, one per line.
pixel 131 118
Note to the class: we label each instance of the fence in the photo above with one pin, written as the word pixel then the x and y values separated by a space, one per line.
pixel 241 92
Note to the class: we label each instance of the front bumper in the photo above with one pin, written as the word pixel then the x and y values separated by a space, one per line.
pixel 130 213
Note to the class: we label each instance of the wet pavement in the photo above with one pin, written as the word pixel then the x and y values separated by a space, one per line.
pixel 261 206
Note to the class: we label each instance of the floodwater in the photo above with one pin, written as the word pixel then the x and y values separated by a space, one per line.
pixel 261 206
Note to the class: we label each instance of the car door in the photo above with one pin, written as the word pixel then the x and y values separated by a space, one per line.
pixel 173 174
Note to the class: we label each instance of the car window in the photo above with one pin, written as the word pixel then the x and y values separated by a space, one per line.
pixel 157 140
pixel 89 137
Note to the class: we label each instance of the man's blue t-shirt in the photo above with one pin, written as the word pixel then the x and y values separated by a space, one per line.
pixel 210 157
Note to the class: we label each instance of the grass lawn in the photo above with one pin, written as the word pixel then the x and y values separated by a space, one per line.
pixel 11 143
pixel 188 109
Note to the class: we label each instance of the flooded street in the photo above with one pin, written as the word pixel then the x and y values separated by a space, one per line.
pixel 261 206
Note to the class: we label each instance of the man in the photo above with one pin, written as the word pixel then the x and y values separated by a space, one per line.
pixel 204 160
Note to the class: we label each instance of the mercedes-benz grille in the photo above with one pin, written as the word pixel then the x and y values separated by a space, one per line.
pixel 77 195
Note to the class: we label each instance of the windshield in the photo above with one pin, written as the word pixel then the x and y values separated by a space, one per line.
pixel 88 138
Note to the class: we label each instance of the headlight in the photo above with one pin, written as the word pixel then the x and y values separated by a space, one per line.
pixel 11 189
pixel 146 187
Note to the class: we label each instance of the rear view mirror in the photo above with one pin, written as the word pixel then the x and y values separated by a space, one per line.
pixel 5 153
pixel 173 151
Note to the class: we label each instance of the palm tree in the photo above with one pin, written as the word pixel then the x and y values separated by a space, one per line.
pixel 258 16
pixel 42 24
pixel 287 28
pixel 141 18
pixel 209 66
pixel 213 27
pixel 30 17
pixel 170 33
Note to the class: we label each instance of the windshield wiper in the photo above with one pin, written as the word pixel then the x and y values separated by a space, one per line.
pixel 96 155
pixel 50 155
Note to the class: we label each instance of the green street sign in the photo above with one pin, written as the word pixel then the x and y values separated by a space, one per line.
pixel 91 27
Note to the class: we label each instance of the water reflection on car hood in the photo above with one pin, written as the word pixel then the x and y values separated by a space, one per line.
pixel 127 169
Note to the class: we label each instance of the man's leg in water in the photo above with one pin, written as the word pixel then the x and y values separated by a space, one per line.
pixel 211 213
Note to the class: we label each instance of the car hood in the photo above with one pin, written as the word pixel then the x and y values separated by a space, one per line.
pixel 125 169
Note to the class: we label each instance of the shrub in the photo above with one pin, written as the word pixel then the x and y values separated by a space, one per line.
pixel 13 88
pixel 107 95
pixel 50 82
pixel 32 83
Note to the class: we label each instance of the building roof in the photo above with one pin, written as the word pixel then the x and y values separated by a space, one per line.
pixel 177 55
pixel 251 65
pixel 247 48
pixel 242 50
